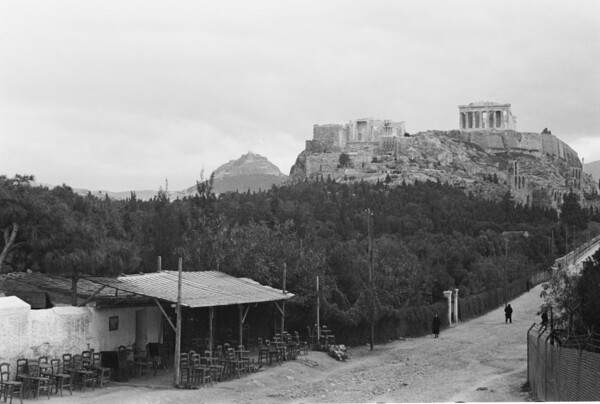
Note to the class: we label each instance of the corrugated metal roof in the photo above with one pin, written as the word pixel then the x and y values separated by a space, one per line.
pixel 198 289
pixel 59 288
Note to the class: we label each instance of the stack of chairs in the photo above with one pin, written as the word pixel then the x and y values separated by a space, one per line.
pixel 184 369
pixel 199 373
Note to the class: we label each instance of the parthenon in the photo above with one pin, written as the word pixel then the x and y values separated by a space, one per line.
pixel 486 116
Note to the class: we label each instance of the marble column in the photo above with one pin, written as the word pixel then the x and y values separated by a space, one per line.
pixel 448 295
pixel 456 306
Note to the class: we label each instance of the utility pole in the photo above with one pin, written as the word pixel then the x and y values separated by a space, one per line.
pixel 318 313
pixel 178 328
pixel 505 268
pixel 506 235
pixel 371 288
pixel 283 302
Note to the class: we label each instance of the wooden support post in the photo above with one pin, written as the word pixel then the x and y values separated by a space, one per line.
pixel 211 320
pixel 241 320
pixel 283 303
pixel 165 314
pixel 371 284
pixel 318 313
pixel 178 328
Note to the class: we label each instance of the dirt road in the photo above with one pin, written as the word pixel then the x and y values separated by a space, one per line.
pixel 479 360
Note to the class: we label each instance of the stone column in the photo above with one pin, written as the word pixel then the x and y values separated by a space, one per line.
pixel 448 295
pixel 456 306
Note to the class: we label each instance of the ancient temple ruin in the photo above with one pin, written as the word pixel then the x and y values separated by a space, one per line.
pixel 339 137
pixel 479 116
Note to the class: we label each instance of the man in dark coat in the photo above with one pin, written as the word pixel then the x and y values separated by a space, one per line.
pixel 435 325
pixel 508 314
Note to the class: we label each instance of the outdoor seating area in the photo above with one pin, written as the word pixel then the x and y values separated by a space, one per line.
pixel 32 378
pixel 226 362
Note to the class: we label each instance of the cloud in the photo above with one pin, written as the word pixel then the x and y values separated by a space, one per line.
pixel 121 95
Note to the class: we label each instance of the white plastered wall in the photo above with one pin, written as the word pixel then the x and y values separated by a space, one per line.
pixel 27 333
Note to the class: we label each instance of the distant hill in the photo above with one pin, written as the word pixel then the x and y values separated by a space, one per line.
pixel 593 168
pixel 250 172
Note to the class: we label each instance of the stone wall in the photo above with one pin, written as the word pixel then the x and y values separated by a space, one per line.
pixel 490 141
pixel 14 330
pixel 526 142
pixel 317 164
pixel 530 142
pixel 326 138
pixel 27 333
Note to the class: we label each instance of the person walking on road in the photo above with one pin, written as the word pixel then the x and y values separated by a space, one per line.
pixel 435 325
pixel 508 314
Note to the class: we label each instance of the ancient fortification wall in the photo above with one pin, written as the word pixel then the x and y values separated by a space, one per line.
pixel 526 142
pixel 326 138
pixel 321 163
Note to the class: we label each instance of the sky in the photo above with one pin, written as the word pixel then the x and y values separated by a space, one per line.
pixel 127 95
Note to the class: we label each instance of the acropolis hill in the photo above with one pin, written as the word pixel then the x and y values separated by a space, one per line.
pixel 486 156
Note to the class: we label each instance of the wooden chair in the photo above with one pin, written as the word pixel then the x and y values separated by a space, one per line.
pixel 142 363
pixel 184 369
pixel 102 373
pixel 233 363
pixel 248 364
pixel 263 351
pixel 273 352
pixel 22 369
pixel 302 345
pixel 200 374
pixel 60 379
pixel 9 388
pixel 67 363
pixel 212 361
pixel 37 381
pixel 82 377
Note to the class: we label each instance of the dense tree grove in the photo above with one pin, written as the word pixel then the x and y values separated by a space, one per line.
pixel 427 237
pixel 573 298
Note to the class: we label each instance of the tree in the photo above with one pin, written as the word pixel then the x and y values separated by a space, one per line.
pixel 572 214
pixel 344 160
pixel 15 213
pixel 560 294
pixel 587 289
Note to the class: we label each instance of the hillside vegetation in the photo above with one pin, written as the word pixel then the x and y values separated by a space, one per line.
pixel 427 237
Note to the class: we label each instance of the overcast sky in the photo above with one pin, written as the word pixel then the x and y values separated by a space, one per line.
pixel 121 95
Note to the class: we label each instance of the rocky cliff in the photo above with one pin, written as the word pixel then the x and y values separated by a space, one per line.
pixel 537 169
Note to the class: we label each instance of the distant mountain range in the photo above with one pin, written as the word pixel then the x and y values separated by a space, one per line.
pixel 593 168
pixel 251 172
